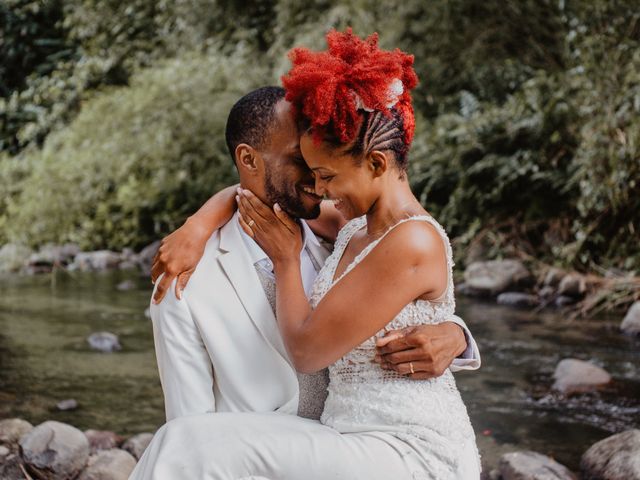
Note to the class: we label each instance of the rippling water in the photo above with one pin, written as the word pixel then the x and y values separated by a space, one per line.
pixel 44 358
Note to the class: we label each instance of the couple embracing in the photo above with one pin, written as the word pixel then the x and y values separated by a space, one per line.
pixel 370 327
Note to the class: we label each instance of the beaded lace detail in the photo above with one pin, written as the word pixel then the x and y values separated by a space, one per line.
pixel 364 397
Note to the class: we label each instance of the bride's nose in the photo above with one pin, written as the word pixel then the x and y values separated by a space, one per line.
pixel 320 186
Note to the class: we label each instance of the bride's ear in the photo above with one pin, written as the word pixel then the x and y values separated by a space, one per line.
pixel 377 162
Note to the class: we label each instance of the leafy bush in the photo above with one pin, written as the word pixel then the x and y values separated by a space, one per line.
pixel 136 160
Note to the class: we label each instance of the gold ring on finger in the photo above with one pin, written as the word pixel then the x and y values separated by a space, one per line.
pixel 251 223
pixel 411 368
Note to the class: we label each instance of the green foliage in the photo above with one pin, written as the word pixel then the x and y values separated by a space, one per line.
pixel 528 114
pixel 136 161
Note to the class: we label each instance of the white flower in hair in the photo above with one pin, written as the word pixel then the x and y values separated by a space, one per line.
pixel 394 91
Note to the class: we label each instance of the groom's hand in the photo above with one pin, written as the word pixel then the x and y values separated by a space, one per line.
pixel 422 351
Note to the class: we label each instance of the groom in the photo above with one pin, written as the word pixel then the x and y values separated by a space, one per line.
pixel 218 347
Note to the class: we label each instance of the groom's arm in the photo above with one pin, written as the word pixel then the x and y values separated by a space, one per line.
pixel 428 350
pixel 186 373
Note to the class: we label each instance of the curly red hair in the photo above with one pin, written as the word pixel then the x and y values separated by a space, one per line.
pixel 321 85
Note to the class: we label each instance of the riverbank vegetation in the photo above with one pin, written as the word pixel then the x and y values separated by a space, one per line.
pixel 112 117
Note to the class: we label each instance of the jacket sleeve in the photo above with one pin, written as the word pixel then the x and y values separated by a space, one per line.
pixel 470 358
pixel 185 368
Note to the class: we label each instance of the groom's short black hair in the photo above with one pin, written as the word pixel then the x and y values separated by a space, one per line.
pixel 251 118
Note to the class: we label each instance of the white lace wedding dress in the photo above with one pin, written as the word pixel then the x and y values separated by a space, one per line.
pixel 376 424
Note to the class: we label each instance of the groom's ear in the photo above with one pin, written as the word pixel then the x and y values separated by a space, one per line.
pixel 377 162
pixel 247 159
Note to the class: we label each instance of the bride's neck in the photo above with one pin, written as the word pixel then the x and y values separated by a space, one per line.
pixel 394 203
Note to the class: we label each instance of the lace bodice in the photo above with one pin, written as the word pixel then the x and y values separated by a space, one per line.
pixel 362 396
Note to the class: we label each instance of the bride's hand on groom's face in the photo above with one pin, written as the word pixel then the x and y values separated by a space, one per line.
pixel 276 233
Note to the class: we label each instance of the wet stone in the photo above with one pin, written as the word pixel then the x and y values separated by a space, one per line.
pixel 631 322
pixel 114 464
pixel 577 376
pixel 54 450
pixel 614 458
pixel 68 404
pixel 11 430
pixel 137 444
pixel 518 299
pixel 102 440
pixel 106 342
pixel 496 276
pixel 573 285
pixel 529 465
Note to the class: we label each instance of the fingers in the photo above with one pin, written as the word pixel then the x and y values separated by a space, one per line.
pixel 286 220
pixel 181 282
pixel 161 287
pixel 247 229
pixel 392 335
pixel 404 356
pixel 254 206
pixel 156 269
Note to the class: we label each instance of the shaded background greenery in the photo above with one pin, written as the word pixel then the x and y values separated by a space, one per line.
pixel 112 115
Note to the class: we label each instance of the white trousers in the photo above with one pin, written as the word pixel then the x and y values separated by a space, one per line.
pixel 275 446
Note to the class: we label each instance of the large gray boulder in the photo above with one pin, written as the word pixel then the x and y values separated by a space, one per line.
pixel 114 464
pixel 50 254
pixel 529 465
pixel 631 322
pixel 577 376
pixel 96 261
pixel 137 444
pixel 11 430
pixel 145 257
pixel 13 257
pixel 496 276
pixel 55 450
pixel 614 458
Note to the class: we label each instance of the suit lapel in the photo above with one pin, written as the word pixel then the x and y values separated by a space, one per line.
pixel 236 263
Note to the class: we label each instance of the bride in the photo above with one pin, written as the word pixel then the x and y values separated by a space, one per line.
pixel 391 267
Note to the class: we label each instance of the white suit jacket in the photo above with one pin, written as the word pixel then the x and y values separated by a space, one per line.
pixel 219 348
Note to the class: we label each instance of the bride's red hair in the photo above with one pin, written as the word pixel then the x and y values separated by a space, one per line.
pixel 321 85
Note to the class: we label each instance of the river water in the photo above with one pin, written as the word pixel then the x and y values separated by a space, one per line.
pixel 44 358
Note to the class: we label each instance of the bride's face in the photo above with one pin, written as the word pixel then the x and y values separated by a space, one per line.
pixel 340 177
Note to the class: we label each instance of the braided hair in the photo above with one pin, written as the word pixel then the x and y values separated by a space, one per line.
pixel 354 94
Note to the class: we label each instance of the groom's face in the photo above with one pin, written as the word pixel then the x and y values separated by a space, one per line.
pixel 288 180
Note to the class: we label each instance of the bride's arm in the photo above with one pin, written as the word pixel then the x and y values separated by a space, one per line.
pixel 180 251
pixel 408 263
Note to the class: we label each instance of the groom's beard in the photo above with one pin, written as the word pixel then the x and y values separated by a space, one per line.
pixel 288 197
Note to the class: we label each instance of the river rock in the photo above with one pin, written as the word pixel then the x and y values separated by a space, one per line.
pixel 50 254
pixel 547 293
pixel 614 458
pixel 106 342
pixel 529 465
pixel 114 464
pixel 553 277
pixel 145 256
pixel 126 285
pixel 11 430
pixel 96 261
pixel 518 299
pixel 137 444
pixel 577 376
pixel 11 467
pixel 4 453
pixel 102 440
pixel 66 405
pixel 496 276
pixel 573 285
pixel 13 257
pixel 564 300
pixel 55 450
pixel 631 322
